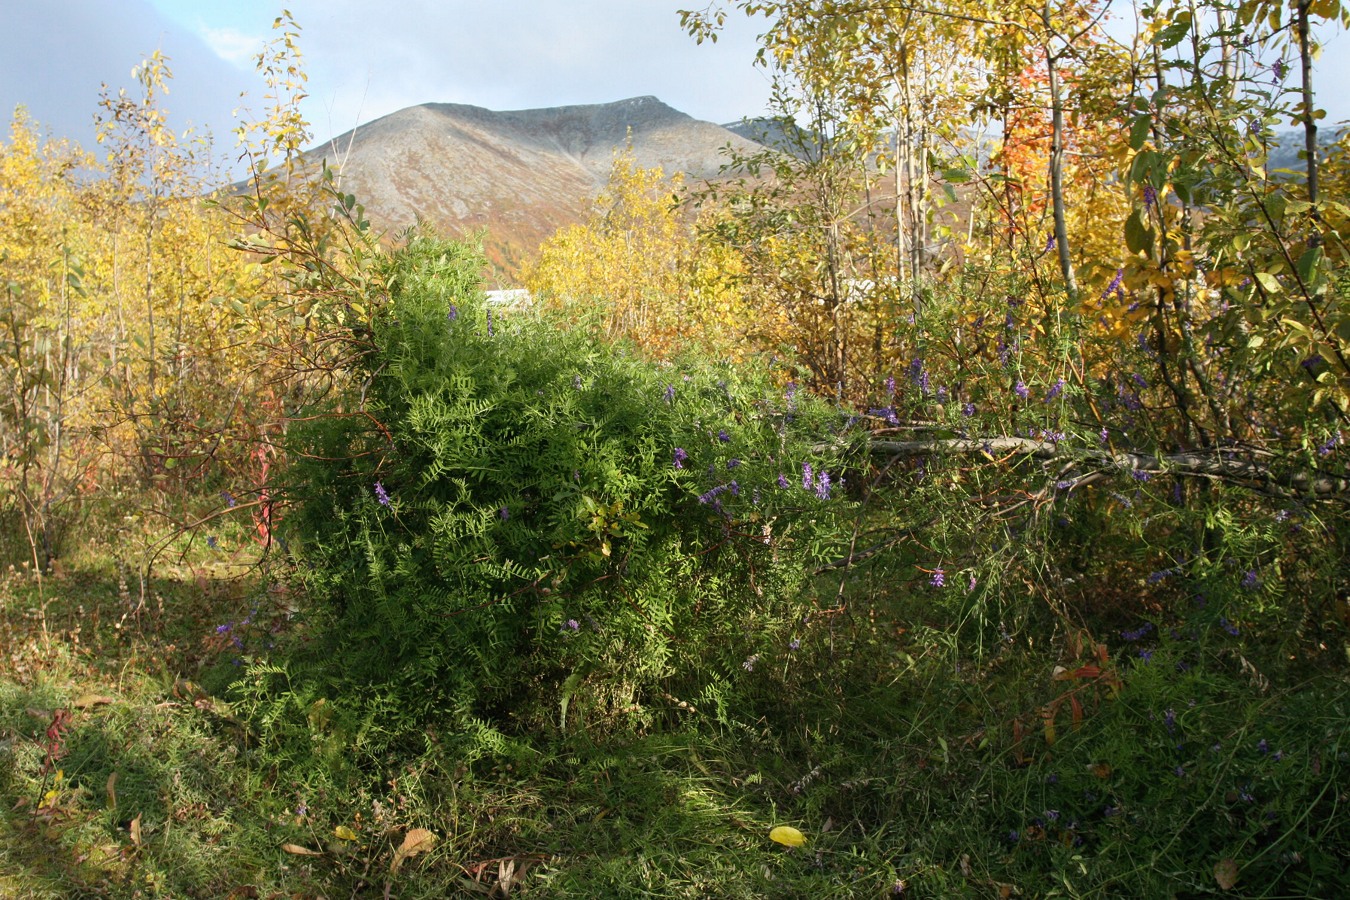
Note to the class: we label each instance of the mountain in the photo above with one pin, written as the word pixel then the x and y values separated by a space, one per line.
pixel 520 174
pixel 781 134
pixel 1290 144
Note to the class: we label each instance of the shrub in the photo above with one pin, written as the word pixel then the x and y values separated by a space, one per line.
pixel 502 520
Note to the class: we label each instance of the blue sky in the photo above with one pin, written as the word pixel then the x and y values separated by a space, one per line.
pixel 366 59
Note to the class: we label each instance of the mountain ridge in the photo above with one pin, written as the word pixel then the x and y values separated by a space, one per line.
pixel 519 174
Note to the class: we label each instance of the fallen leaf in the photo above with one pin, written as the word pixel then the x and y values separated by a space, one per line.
pixel 418 840
pixel 787 836
pixel 297 850
pixel 1226 873
pixel 136 830
pixel 88 700
pixel 344 833
pixel 112 791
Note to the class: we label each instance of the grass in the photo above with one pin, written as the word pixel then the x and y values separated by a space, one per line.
pixel 913 763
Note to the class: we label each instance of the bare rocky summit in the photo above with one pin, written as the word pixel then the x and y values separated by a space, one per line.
pixel 520 174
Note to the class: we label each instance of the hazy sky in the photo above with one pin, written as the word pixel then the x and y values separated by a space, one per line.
pixel 366 58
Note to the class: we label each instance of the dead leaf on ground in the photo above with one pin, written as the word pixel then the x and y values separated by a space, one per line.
pixel 112 791
pixel 1226 873
pixel 297 850
pixel 511 872
pixel 87 700
pixel 135 830
pixel 418 840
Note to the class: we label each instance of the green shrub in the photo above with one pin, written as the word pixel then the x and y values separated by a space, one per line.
pixel 504 522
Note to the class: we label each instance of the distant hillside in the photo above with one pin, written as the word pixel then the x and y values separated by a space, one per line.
pixel 520 174
pixel 1289 144
pixel 781 134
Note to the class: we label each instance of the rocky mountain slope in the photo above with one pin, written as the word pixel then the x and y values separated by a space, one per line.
pixel 520 174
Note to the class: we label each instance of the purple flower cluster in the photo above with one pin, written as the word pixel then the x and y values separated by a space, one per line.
pixel 938 578
pixel 381 494
pixel 1114 287
pixel 1021 389
pixel 680 456
pixel 1135 634
pixel 669 393
pixel 1055 390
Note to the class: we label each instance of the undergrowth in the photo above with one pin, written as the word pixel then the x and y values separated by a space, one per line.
pixel 545 660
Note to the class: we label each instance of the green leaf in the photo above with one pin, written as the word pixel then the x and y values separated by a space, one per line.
pixel 1268 283
pixel 1307 263
pixel 1173 34
pixel 1139 131
pixel 1138 236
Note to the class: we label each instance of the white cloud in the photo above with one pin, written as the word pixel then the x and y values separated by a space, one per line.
pixel 233 45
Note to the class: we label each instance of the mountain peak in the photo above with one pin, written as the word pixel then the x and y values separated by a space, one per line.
pixel 519 174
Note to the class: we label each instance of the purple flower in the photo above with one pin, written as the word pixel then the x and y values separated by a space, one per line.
pixel 794 644
pixel 571 625
pixel 938 578
pixel 916 371
pixel 224 629
pixel 453 313
pixel 823 486
pixel 1331 442
pixel 1021 389
pixel 1141 475
pixel 1145 655
pixel 1114 286
pixel 890 386
pixel 680 457
pixel 505 513
pixel 1277 69
pixel 211 542
pixel 723 436
pixel 1055 390
pixel 1170 720
pixel 749 664
pixel 1263 746
pixel 782 480
pixel 733 463
pixel 670 393
pixel 381 494
pixel 1050 244
pixel 489 322
pixel 808 476
pixel 968 410
pixel 1229 626
pixel 1250 581
pixel 228 498
pixel 1150 195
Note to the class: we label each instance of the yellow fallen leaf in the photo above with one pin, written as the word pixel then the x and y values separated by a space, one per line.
pixel 787 836
pixel 418 840
pixel 136 830
pixel 344 833
pixel 297 850
pixel 1226 873
pixel 89 700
